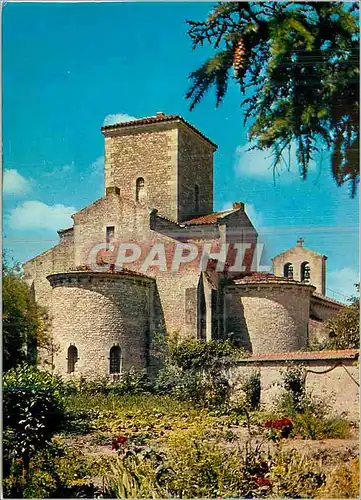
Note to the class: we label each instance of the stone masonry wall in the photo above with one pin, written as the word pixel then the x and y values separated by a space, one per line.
pixel 97 312
pixel 268 318
pixel 132 224
pixel 296 256
pixel 323 309
pixel 337 388
pixel 195 166
pixel 151 153
pixel 57 259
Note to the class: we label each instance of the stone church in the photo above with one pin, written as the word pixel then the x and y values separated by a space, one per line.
pixel 158 202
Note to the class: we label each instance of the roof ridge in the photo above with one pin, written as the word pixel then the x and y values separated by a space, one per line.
pixel 157 119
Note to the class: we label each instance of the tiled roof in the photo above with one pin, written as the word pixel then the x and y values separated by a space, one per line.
pixel 159 118
pixel 208 219
pixel 256 277
pixel 111 270
pixel 327 299
pixel 305 355
pixel 167 219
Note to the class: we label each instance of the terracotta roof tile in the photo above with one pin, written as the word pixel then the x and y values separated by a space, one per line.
pixel 111 270
pixel 305 355
pixel 257 277
pixel 159 118
pixel 327 299
pixel 209 218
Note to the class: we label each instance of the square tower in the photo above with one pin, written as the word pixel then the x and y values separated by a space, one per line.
pixel 163 162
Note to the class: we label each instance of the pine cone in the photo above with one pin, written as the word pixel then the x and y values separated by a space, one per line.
pixel 239 57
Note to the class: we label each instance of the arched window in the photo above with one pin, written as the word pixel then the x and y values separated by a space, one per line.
pixel 114 359
pixel 288 270
pixel 72 358
pixel 196 198
pixel 139 189
pixel 305 271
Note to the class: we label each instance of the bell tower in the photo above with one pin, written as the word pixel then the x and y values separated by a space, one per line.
pixel 163 162
pixel 303 265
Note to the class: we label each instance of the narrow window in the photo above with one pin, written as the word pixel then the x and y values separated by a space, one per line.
pixel 196 198
pixel 72 358
pixel 109 236
pixel 139 189
pixel 288 270
pixel 110 231
pixel 114 359
pixel 305 271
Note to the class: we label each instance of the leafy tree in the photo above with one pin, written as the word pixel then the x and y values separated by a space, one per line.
pixel 346 326
pixel 24 322
pixel 298 66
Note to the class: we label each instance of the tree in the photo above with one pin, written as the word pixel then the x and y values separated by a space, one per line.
pixel 346 325
pixel 298 66
pixel 24 322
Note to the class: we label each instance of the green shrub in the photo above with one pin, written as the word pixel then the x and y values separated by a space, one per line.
pixel 131 382
pixel 55 472
pixel 33 410
pixel 294 384
pixel 252 391
pixel 310 426
pixel 195 354
pixel 314 421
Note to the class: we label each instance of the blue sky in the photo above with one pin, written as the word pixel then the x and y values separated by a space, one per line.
pixel 66 67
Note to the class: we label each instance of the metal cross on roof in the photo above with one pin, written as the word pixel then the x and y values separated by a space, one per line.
pixel 300 242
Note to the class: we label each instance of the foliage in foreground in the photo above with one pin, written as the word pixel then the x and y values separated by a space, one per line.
pixel 195 466
pixel 33 411
pixel 55 472
pixel 298 66
pixel 24 322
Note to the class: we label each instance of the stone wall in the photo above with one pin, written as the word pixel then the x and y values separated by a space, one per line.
pixel 57 259
pixel 171 158
pixel 296 256
pixel 95 311
pixel 323 308
pixel 267 317
pixel 195 167
pixel 149 152
pixel 332 377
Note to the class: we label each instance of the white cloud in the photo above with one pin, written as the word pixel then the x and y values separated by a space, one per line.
pixel 15 184
pixel 32 215
pixel 118 118
pixel 258 164
pixel 63 170
pixel 97 167
pixel 255 216
pixel 342 282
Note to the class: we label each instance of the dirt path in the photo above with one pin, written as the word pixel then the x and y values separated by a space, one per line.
pixel 330 450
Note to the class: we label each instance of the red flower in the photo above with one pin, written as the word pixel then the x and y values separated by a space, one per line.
pixel 287 421
pixel 118 442
pixel 122 439
pixel 279 424
pixel 262 481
